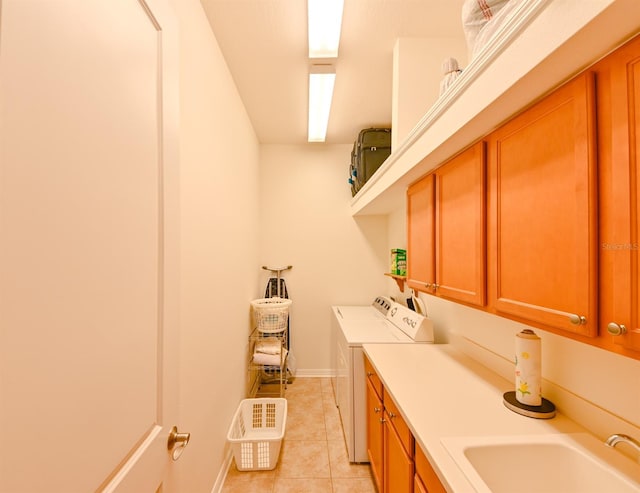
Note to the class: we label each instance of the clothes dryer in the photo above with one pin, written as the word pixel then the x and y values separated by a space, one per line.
pixel 400 325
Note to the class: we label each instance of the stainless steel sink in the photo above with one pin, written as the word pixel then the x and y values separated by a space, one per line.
pixel 562 463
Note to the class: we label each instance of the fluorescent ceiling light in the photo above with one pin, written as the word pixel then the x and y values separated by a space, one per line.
pixel 321 81
pixel 324 23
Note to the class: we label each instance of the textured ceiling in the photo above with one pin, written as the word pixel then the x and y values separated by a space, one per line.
pixel 265 45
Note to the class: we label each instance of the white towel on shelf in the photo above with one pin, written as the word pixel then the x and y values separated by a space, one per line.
pixel 476 14
pixel 269 359
pixel 269 345
pixel 501 18
pixel 450 70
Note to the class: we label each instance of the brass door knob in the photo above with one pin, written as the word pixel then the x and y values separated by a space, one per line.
pixel 177 442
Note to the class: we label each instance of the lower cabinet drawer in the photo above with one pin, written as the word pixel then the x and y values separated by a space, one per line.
pixel 373 377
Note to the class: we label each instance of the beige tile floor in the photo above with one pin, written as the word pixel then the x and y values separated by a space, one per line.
pixel 313 456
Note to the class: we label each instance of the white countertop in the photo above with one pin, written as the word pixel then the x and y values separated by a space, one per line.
pixel 443 393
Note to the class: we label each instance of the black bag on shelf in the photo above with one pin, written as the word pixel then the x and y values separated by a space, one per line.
pixel 370 150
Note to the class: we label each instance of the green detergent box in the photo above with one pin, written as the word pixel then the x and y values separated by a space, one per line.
pixel 398 262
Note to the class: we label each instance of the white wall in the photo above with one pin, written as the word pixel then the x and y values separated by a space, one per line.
pixel 396 238
pixel 305 221
pixel 417 72
pixel 219 275
pixel 596 388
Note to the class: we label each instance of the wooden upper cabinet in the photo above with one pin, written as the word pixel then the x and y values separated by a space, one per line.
pixel 542 222
pixel 460 227
pixel 618 96
pixel 446 227
pixel 421 274
pixel 554 232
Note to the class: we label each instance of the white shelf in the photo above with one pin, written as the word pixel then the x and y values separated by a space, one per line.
pixel 544 44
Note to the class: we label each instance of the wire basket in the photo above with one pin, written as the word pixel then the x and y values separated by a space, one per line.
pixel 271 314
pixel 256 433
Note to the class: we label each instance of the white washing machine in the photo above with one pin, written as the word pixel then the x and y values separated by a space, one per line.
pixel 377 310
pixel 353 327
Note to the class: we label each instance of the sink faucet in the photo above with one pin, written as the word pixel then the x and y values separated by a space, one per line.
pixel 617 437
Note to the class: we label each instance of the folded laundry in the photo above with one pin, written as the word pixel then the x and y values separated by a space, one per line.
pixel 269 359
pixel 268 345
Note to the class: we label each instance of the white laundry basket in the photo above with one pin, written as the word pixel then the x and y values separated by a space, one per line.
pixel 256 433
pixel 271 314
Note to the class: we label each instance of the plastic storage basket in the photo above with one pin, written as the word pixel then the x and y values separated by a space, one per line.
pixel 256 433
pixel 271 314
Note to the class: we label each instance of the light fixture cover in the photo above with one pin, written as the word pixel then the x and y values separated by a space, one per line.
pixel 324 24
pixel 321 81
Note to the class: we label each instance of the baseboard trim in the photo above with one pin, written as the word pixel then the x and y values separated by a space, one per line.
pixel 222 474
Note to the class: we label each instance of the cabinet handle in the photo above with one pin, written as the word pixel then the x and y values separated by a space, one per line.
pixel 427 285
pixel 391 415
pixel 577 319
pixel 376 409
pixel 616 330
pixel 435 286
pixel 382 420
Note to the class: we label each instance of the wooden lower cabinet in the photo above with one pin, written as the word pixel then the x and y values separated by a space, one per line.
pixel 397 463
pixel 418 485
pixel 425 475
pixel 375 435
pixel 372 377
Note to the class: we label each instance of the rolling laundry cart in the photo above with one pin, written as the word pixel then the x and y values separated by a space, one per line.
pixel 276 287
pixel 269 339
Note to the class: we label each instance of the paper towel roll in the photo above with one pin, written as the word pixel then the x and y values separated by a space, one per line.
pixel 528 368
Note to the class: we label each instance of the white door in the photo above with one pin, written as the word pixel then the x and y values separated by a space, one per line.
pixel 88 235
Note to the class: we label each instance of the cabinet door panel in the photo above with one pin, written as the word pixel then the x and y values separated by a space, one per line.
pixel 420 225
pixel 398 423
pixel 425 472
pixel 543 211
pixel 460 227
pixel 632 338
pixel 619 169
pixel 398 465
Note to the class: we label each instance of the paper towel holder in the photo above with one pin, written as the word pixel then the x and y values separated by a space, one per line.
pixel 546 410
